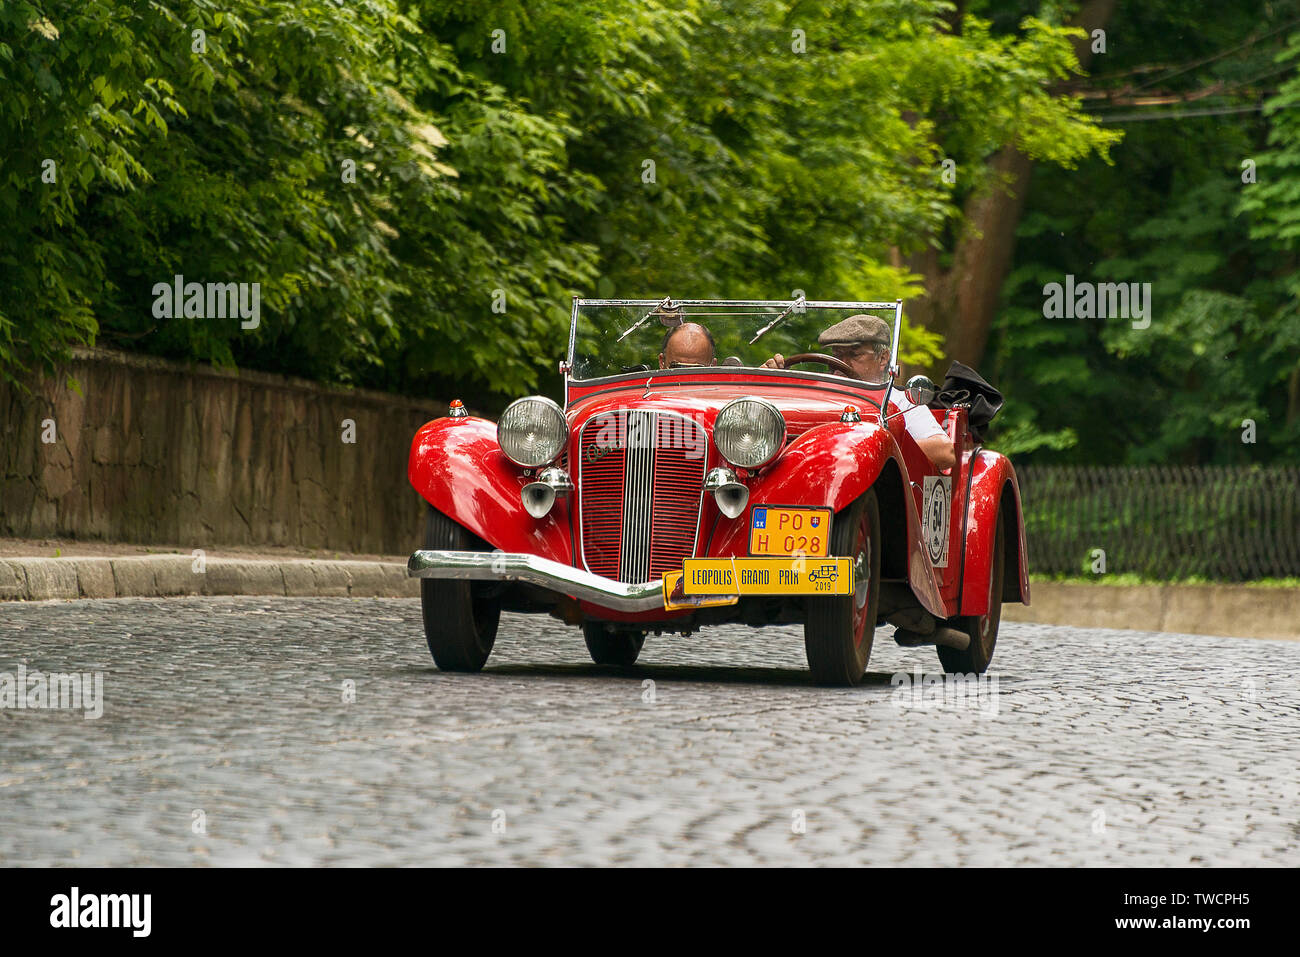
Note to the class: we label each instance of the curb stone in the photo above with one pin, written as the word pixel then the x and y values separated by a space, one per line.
pixel 95 577
pixel 156 576
pixel 51 578
pixel 1233 610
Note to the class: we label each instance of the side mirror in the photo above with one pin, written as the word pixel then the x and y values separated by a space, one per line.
pixel 920 390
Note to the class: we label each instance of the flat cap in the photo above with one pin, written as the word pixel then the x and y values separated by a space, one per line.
pixel 856 330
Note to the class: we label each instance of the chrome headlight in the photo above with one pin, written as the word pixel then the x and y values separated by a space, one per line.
pixel 749 432
pixel 532 431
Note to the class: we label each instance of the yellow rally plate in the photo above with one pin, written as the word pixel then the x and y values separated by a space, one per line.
pixel 767 576
pixel 789 531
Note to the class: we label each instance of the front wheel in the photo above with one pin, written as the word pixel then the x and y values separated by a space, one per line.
pixel 460 620
pixel 983 629
pixel 611 645
pixel 839 631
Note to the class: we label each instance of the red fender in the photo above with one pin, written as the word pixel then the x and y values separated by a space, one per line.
pixel 993 485
pixel 847 459
pixel 459 469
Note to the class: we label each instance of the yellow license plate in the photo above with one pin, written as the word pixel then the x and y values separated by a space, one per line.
pixel 789 531
pixel 767 576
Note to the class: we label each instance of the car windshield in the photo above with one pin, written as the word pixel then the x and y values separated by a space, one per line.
pixel 612 337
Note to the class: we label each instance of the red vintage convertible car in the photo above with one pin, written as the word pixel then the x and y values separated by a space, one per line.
pixel 665 499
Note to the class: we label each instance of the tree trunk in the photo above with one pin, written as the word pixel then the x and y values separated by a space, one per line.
pixel 1293 397
pixel 961 302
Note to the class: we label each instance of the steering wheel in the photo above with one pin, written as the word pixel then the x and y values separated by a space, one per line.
pixel 839 365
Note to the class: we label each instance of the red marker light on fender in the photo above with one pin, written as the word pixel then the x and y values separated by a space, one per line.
pixel 850 414
pixel 456 409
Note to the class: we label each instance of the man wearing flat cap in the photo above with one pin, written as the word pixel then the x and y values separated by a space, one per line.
pixel 862 343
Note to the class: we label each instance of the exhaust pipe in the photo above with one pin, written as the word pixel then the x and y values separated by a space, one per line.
pixel 942 635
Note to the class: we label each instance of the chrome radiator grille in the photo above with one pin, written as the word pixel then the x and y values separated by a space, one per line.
pixel 640 476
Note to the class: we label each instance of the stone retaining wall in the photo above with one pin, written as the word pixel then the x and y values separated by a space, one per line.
pixel 151 451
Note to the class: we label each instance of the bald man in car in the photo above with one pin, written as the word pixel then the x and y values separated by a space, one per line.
pixel 689 344
pixel 862 342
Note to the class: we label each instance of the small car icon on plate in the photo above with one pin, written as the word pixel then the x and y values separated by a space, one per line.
pixel 826 572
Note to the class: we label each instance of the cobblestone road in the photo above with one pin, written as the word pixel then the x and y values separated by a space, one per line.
pixel 228 716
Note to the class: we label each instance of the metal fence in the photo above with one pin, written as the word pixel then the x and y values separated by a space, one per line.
pixel 1221 523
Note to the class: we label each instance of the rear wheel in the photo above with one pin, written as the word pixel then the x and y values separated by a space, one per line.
pixel 839 631
pixel 611 644
pixel 460 619
pixel 983 629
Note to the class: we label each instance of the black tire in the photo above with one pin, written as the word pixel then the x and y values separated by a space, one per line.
pixel 983 629
pixel 460 621
pixel 611 645
pixel 839 631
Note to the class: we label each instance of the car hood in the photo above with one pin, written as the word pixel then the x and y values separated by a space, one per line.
pixel 804 403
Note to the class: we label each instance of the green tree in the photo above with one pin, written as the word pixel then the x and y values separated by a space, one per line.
pixel 1215 364
pixel 503 159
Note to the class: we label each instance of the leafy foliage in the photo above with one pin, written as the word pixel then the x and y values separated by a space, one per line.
pixel 221 157
pixel 1215 378
pixel 501 155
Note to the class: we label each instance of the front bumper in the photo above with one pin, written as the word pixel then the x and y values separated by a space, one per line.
pixel 520 567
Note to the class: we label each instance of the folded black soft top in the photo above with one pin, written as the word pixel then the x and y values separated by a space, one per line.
pixel 964 384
